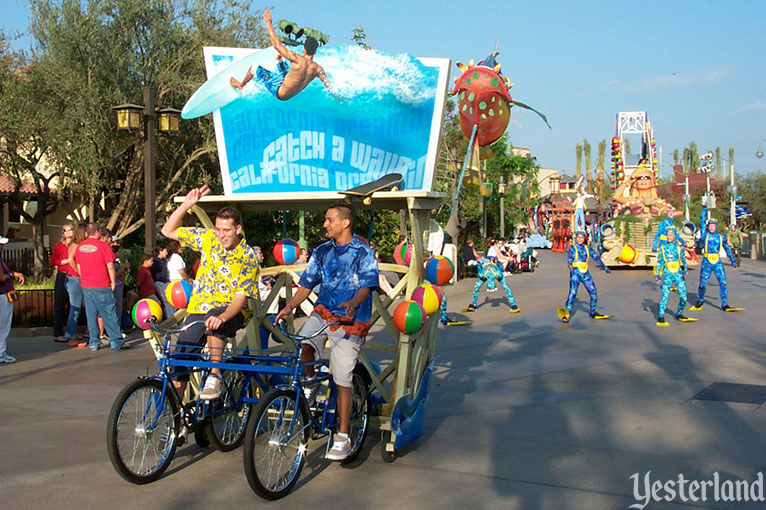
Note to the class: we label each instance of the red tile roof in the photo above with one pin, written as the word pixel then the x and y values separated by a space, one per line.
pixel 8 185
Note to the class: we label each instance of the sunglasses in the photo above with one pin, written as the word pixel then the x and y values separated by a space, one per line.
pixel 67 229
pixel 644 178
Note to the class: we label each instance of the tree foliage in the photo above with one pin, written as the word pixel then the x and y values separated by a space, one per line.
pixel 121 47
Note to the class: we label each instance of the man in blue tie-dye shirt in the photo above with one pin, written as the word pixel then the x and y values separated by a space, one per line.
pixel 346 271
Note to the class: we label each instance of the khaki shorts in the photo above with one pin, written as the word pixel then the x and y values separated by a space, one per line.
pixel 343 351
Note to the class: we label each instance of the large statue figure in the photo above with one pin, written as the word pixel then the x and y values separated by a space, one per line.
pixel 641 197
pixel 578 256
pixel 490 271
pixel 712 242
pixel 671 271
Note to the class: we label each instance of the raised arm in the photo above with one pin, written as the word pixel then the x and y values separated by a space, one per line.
pixel 281 48
pixel 170 228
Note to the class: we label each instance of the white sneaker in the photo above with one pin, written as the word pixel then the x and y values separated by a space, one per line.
pixel 212 389
pixel 341 447
pixel 7 358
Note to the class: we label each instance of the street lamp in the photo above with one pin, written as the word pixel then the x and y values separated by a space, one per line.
pixel 129 118
pixel 501 192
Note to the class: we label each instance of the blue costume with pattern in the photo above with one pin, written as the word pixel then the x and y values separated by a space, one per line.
pixel 711 263
pixel 671 266
pixel 490 271
pixel 660 237
pixel 577 258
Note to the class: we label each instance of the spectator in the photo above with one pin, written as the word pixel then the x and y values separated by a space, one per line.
pixel 95 262
pixel 74 289
pixel 144 280
pixel 7 297
pixel 496 251
pixel 383 283
pixel 303 258
pixel 176 264
pixel 469 254
pixel 161 277
pixel 119 289
pixel 60 261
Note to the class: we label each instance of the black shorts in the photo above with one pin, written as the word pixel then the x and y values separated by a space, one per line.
pixel 192 339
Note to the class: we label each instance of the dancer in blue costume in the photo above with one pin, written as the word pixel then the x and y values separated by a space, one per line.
pixel 660 237
pixel 490 271
pixel 712 241
pixel 578 256
pixel 671 271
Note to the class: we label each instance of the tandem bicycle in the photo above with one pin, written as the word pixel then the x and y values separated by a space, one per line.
pixel 262 404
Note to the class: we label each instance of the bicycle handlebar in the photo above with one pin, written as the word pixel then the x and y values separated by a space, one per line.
pixel 283 328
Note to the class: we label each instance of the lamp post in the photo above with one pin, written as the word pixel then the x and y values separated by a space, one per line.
pixel 129 118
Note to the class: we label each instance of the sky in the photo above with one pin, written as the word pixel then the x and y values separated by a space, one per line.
pixel 696 67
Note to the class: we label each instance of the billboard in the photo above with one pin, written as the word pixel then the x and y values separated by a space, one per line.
pixel 375 114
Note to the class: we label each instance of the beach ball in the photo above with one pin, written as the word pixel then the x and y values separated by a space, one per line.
pixel 286 252
pixel 409 317
pixel 398 258
pixel 178 293
pixel 439 270
pixel 428 296
pixel 145 309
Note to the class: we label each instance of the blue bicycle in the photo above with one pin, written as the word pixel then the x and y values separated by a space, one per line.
pixel 282 422
pixel 149 419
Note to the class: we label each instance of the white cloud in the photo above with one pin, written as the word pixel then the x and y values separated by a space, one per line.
pixel 758 106
pixel 677 80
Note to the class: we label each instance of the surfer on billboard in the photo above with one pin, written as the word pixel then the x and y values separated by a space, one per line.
pixel 289 78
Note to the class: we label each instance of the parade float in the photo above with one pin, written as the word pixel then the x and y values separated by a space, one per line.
pixel 628 238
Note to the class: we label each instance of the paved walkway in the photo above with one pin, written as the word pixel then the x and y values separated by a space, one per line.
pixel 525 413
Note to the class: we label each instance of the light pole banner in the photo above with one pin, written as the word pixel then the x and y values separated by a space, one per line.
pixel 371 114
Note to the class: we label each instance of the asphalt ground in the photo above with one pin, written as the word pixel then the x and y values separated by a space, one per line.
pixel 525 412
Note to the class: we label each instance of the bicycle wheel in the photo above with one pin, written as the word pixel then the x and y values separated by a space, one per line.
pixel 274 455
pixel 360 412
pixel 142 429
pixel 226 427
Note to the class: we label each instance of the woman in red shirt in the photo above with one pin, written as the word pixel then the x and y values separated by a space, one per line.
pixel 60 261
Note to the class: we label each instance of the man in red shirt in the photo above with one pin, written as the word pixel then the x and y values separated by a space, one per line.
pixel 95 263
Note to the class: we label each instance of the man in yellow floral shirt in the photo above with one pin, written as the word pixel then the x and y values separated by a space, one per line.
pixel 227 276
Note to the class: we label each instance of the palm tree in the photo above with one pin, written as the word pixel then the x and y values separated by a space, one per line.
pixel 731 161
pixel 578 153
pixel 675 157
pixel 718 163
pixel 588 161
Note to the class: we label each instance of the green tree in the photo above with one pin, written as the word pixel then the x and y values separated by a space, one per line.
pixel 731 162
pixel 578 155
pixel 675 157
pixel 693 158
pixel 93 54
pixel 718 163
pixel 601 179
pixel 588 160
pixel 752 187
pixel 27 134
pixel 359 36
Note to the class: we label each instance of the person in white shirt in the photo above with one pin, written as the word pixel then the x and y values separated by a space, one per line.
pixel 176 264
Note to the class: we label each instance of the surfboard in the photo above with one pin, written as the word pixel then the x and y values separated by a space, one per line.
pixel 217 92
